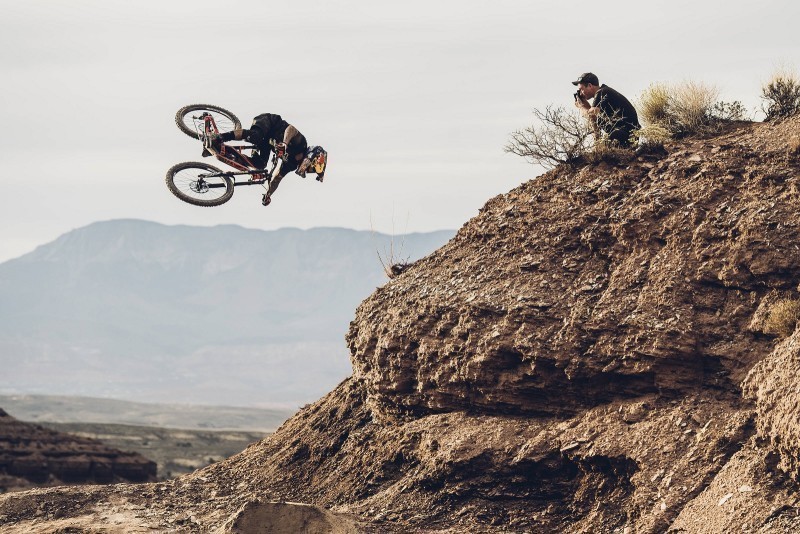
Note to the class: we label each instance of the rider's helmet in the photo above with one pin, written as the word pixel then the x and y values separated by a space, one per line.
pixel 316 159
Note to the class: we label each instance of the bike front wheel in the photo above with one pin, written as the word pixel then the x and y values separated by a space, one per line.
pixel 199 184
pixel 188 119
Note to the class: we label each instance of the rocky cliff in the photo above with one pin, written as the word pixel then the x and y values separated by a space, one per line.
pixel 32 456
pixel 593 352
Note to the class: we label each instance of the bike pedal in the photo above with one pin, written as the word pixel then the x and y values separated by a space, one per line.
pixel 205 153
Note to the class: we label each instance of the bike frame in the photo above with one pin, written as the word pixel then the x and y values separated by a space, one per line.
pixel 234 156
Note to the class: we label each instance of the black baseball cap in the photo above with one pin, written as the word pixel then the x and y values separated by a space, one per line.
pixel 587 78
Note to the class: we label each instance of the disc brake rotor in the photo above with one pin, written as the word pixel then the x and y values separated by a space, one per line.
pixel 199 186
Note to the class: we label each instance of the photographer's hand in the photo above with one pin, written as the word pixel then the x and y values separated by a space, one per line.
pixel 580 102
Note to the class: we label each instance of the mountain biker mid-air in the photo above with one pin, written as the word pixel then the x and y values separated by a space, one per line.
pixel 270 132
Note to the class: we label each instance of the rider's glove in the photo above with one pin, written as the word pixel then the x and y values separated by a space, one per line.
pixel 280 150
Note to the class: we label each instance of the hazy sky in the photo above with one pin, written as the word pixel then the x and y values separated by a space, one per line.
pixel 413 100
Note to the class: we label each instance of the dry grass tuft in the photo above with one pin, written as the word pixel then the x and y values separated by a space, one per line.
pixel 609 152
pixel 781 94
pixel 654 106
pixel 683 109
pixel 691 105
pixel 782 318
pixel 653 136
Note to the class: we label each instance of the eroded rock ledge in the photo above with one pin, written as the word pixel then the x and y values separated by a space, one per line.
pixel 579 288
pixel 31 456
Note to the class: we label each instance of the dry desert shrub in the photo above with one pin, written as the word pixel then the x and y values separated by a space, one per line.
pixel 558 136
pixel 781 95
pixel 391 258
pixel 782 318
pixel 729 111
pixel 391 262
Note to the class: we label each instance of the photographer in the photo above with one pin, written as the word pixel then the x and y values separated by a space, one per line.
pixel 610 111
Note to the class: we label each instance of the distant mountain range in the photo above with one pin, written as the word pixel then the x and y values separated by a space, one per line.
pixel 212 315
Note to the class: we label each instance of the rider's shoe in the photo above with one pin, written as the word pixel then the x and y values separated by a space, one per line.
pixel 265 199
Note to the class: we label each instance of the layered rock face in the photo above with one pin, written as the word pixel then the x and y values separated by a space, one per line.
pixel 31 455
pixel 583 287
pixel 591 353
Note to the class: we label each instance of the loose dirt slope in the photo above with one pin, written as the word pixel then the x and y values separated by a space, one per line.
pixel 588 354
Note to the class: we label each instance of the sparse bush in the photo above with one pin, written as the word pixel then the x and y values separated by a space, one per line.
pixel 392 266
pixel 782 318
pixel 781 95
pixel 729 111
pixel 561 136
pixel 390 258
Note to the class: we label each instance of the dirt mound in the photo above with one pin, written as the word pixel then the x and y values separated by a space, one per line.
pixel 286 518
pixel 591 353
pixel 33 456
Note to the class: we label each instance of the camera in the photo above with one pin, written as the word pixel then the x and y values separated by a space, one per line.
pixel 577 95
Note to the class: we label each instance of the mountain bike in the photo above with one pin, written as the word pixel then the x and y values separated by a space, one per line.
pixel 202 184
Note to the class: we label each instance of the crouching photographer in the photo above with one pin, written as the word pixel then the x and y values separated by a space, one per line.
pixel 610 112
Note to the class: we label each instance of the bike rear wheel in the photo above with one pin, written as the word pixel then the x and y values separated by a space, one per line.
pixel 189 182
pixel 186 118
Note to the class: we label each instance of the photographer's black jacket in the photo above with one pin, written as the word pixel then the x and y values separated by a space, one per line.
pixel 619 118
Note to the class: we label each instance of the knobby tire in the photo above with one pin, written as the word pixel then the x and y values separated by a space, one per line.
pixel 226 121
pixel 182 181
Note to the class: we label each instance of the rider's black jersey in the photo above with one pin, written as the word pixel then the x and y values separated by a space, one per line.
pixel 267 126
pixel 267 130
